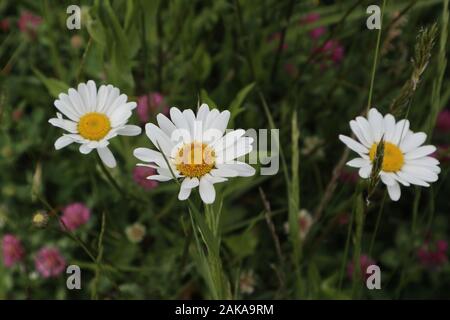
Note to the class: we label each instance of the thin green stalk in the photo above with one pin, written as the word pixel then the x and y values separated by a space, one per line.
pixel 8 66
pixel 418 192
pixel 377 224
pixel 116 185
pixel 210 264
pixel 110 177
pixel 289 11
pixel 294 207
pixel 359 222
pixel 375 59
pixel 98 261
pixel 144 48
pixel 67 231
pixel 83 59
pixel 347 246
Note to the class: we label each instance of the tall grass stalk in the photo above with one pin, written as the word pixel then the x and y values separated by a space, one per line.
pixel 206 227
pixel 294 206
pixel 377 223
pixel 98 260
pixel 436 100
pixel 359 227
pixel 375 59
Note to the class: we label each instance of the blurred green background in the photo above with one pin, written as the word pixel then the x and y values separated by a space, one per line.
pixel 305 60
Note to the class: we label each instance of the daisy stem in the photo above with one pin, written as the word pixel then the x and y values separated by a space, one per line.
pixel 208 226
pixel 71 235
pixel 377 224
pixel 98 260
pixel 210 263
pixel 347 246
pixel 83 59
pixel 359 223
pixel 375 59
pixel 114 183
pixel 109 176
pixel 294 207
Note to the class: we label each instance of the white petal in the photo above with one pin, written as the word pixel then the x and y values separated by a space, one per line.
pixel 184 193
pixel 207 191
pixel 158 177
pixel 364 172
pixel 76 101
pixel 221 121
pixel 67 125
pixel 85 97
pixel 62 142
pixel 84 149
pixel 358 133
pixel 224 172
pixel 241 148
pixel 420 152
pixel 214 179
pixel 412 141
pixel 202 112
pixel 358 163
pixel 425 161
pixel 377 124
pixel 189 183
pixel 398 178
pixel 365 129
pixel 120 116
pixel 229 139
pixel 115 101
pixel 107 157
pixel 421 172
pixel 387 179
pixel 111 94
pixel 103 93
pixel 389 127
pixel 394 191
pixel 165 171
pixel 165 124
pixel 243 169
pixel 189 116
pixel 149 155
pixel 67 109
pixel 352 144
pixel 401 129
pixel 212 115
pixel 412 179
pixel 92 89
pixel 178 119
pixel 186 186
pixel 129 130
pixel 159 138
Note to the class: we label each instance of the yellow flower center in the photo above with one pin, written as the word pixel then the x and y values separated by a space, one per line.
pixel 94 126
pixel 38 218
pixel 393 159
pixel 195 159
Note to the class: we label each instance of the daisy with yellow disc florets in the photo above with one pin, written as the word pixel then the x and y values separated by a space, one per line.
pixel 405 160
pixel 194 149
pixel 94 117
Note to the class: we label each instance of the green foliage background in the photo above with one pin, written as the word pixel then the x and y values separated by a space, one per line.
pixel 218 52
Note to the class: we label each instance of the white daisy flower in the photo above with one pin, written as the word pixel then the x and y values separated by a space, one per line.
pixel 405 160
pixel 94 117
pixel 197 150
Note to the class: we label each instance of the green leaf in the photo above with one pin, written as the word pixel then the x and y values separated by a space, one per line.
pixel 236 105
pixel 54 86
pixel 96 30
pixel 204 97
pixel 242 245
